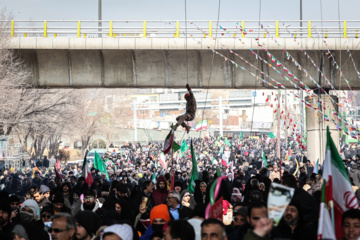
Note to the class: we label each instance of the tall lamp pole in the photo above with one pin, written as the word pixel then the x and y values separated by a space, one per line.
pixel 300 17
pixel 99 18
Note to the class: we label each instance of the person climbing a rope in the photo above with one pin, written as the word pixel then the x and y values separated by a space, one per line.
pixel 190 111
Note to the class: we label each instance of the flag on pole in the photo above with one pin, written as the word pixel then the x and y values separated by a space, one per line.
pixel 264 163
pixel 176 146
pixel 169 142
pixel 194 171
pixel 57 173
pixel 58 164
pixel 271 135
pixel 153 179
pixel 162 160
pixel 241 135
pixel 335 177
pixel 99 164
pixel 227 142
pixel 213 160
pixel 224 161
pixel 325 228
pixel 183 148
pixel 86 171
pixel 201 125
pixel 316 168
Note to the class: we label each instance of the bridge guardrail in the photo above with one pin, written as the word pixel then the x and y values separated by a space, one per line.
pixel 176 29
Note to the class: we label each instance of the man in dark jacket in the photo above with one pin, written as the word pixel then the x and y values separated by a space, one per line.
pixel 41 199
pixel 148 187
pixel 292 225
pixel 160 193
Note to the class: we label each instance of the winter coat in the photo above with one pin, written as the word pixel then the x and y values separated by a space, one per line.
pixel 354 173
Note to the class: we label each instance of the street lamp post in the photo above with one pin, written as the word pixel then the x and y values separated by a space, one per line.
pixel 300 18
pixel 99 18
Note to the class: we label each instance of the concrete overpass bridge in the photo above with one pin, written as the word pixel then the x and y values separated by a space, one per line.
pixel 81 54
pixel 141 54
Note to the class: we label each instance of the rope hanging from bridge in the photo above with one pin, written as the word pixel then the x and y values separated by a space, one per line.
pixel 212 64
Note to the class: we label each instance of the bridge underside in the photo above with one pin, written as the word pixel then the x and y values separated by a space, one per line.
pixel 167 68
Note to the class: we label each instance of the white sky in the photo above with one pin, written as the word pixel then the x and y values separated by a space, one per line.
pixel 174 9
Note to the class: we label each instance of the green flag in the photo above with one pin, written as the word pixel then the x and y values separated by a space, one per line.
pixel 184 146
pixel 99 164
pixel 227 142
pixel 221 150
pixel 241 135
pixel 219 137
pixel 213 159
pixel 194 171
pixel 271 135
pixel 264 161
pixel 176 146
pixel 153 179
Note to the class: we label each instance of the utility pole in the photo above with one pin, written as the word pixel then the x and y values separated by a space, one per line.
pixel 301 18
pixel 99 18
pixel 135 121
pixel 278 130
pixel 285 128
pixel 221 115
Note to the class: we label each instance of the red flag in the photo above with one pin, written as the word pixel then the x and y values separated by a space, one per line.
pixel 57 164
pixel 57 173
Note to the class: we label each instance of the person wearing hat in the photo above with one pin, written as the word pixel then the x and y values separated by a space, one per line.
pixel 176 210
pixel 45 190
pixel 90 203
pixel 159 216
pixel 87 223
pixel 118 232
pixel 30 220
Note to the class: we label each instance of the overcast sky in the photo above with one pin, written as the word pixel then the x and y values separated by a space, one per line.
pixel 174 9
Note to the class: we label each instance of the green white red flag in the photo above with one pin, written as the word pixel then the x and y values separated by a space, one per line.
pixel 201 125
pixel 338 201
pixel 86 171
pixel 169 142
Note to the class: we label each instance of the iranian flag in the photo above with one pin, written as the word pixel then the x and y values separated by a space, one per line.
pixel 86 171
pixel 224 161
pixel 339 200
pixel 201 125
pixel 169 142
pixel 162 160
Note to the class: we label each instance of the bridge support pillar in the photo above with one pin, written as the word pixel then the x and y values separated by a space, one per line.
pixel 316 128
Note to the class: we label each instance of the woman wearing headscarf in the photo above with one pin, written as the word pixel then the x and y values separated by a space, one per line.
pixel 187 200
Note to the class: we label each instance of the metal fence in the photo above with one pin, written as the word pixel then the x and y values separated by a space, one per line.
pixel 180 29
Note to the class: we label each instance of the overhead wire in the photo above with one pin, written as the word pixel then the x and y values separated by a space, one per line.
pixel 255 82
pixel 212 64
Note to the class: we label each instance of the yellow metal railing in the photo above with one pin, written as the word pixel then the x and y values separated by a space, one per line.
pixel 45 28
pixel 118 28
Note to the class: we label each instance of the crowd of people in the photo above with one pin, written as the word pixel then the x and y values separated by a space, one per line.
pixel 134 199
